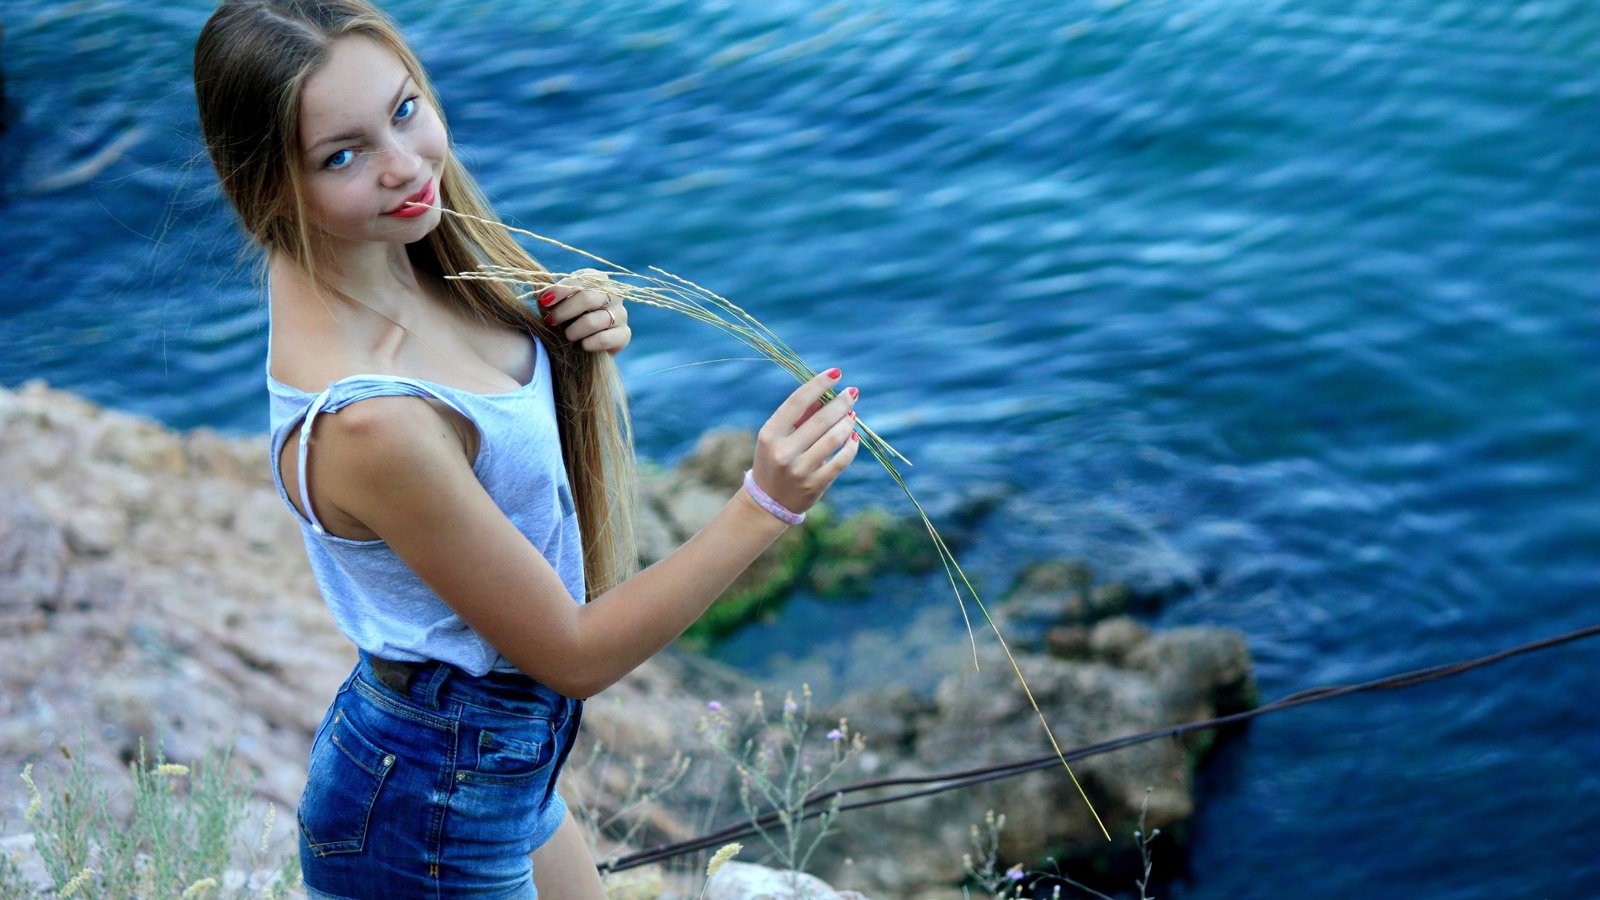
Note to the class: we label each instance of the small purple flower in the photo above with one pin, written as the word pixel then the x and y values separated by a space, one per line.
pixel 1015 872
pixel 714 706
pixel 836 735
pixel 790 706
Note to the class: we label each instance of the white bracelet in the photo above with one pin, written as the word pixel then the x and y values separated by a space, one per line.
pixel 767 503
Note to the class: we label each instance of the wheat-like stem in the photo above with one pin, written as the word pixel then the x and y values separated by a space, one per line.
pixel 668 291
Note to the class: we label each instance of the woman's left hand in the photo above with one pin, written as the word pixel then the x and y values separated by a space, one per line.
pixel 591 318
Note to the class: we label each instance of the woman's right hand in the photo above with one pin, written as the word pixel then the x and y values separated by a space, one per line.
pixel 804 446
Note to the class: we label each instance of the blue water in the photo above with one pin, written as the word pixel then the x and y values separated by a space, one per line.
pixel 1292 302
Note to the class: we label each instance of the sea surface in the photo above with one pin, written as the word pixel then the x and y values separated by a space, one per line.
pixel 1292 305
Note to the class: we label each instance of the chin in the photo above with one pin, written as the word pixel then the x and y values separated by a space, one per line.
pixel 409 230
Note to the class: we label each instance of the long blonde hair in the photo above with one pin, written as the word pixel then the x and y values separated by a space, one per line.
pixel 250 64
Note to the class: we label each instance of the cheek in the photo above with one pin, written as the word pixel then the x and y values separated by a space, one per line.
pixel 432 140
pixel 338 207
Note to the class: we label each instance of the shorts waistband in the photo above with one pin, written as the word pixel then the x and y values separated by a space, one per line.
pixel 433 683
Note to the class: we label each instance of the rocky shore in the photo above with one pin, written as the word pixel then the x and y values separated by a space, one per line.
pixel 153 587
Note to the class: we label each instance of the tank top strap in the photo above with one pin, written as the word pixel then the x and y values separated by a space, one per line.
pixel 350 390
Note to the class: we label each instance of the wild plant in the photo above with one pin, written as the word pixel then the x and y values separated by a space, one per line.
pixel 983 865
pixel 621 820
pixel 779 770
pixel 179 838
pixel 12 882
pixel 719 859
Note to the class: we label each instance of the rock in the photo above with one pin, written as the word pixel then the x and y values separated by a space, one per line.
pixel 96 530
pixel 33 554
pixel 30 867
pixel 652 529
pixel 127 716
pixel 958 517
pixel 643 883
pixel 1110 599
pixel 1112 639
pixel 1050 593
pixel 264 521
pixel 1202 672
pixel 719 459
pixel 117 589
pixel 850 551
pixel 747 881
pixel 209 453
pixel 1067 642
pixel 1063 593
pixel 1120 680
pixel 889 717
pixel 140 444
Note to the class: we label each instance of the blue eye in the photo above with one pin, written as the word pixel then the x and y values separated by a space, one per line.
pixel 340 159
pixel 407 109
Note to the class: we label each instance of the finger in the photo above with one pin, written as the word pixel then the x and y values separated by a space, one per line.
pixel 580 280
pixel 782 421
pixel 843 458
pixel 829 443
pixel 829 471
pixel 568 310
pixel 610 340
pixel 810 411
pixel 840 407
pixel 594 322
pixel 578 293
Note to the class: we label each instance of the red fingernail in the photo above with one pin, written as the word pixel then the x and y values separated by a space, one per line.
pixel 550 320
pixel 854 436
pixel 852 414
pixel 547 298
pixel 852 392
pixel 832 373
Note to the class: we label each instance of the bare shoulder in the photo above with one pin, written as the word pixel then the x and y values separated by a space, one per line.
pixel 386 437
pixel 381 460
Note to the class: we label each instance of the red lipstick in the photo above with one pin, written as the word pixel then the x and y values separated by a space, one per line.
pixel 405 210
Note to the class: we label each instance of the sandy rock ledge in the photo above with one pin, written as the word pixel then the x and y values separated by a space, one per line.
pixel 154 587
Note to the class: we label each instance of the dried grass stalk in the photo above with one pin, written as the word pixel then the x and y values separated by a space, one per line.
pixel 668 291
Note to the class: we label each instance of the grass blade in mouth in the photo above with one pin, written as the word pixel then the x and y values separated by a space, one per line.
pixel 668 291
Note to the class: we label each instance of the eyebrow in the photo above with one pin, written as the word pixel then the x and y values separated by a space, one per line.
pixel 340 138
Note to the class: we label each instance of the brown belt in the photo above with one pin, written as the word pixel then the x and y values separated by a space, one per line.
pixel 393 674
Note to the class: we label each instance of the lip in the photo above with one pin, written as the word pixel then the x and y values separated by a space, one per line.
pixel 406 211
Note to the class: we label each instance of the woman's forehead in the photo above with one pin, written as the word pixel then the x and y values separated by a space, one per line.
pixel 354 86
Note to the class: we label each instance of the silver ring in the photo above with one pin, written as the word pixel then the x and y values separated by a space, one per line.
pixel 613 317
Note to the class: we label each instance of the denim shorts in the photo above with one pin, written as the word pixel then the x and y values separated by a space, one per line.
pixel 439 793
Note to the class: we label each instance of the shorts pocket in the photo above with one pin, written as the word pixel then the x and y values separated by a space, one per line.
pixel 504 760
pixel 347 770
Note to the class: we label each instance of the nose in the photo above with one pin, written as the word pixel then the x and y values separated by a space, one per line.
pixel 402 165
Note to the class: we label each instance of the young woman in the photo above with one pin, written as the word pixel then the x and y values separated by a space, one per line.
pixel 459 463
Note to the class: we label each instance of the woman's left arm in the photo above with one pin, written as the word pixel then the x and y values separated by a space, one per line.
pixel 592 318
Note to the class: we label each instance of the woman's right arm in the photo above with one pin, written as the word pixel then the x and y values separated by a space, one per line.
pixel 399 467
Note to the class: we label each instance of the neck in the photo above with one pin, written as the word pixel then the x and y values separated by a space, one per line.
pixel 379 276
pixel 362 313
pixel 369 278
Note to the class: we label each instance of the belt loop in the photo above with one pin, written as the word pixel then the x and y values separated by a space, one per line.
pixel 436 684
